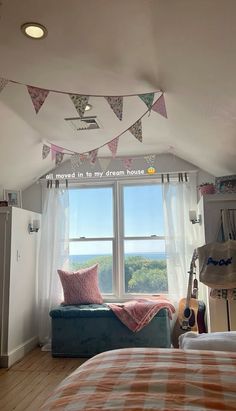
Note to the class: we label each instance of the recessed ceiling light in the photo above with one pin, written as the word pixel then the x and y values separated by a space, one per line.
pixel 35 31
pixel 88 107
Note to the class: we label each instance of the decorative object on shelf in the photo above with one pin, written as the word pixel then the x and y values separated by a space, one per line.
pixel 13 198
pixel 207 188
pixel 226 184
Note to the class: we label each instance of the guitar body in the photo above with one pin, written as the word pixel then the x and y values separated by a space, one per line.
pixel 196 320
pixel 185 315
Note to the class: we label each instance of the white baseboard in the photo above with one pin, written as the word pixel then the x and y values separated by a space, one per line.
pixel 18 353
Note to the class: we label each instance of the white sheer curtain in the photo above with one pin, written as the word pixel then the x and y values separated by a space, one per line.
pixel 179 198
pixel 53 254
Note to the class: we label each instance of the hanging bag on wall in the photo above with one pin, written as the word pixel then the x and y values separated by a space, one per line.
pixel 217 264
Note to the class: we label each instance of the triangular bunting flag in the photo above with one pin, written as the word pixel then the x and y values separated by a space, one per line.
pixel 127 163
pixel 55 150
pixel 116 103
pixel 147 99
pixel 75 161
pixel 80 103
pixel 104 163
pixel 45 151
pixel 113 146
pixel 59 158
pixel 136 130
pixel 3 83
pixel 93 156
pixel 38 96
pixel 160 107
pixel 150 160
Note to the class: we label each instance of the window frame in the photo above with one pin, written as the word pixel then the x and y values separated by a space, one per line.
pixel 118 239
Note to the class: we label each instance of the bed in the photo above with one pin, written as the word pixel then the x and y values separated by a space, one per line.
pixel 150 379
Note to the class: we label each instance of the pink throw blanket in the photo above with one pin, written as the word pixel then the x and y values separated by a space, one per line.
pixel 137 313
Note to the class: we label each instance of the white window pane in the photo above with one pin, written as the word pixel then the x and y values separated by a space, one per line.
pixel 145 267
pixel 85 254
pixel 91 212
pixel 143 210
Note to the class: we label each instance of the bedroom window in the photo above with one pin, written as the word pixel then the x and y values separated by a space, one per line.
pixel 120 226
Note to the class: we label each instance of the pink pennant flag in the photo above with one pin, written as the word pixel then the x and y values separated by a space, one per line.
pixel 113 146
pixel 54 151
pixel 3 83
pixel 93 156
pixel 160 107
pixel 127 163
pixel 80 103
pixel 38 96
pixel 116 103
pixel 136 130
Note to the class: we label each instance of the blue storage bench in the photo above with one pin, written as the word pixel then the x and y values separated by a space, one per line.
pixel 86 330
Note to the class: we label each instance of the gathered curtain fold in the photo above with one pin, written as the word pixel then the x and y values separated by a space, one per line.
pixel 53 254
pixel 180 234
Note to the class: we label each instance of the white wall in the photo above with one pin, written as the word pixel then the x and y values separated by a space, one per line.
pixel 21 332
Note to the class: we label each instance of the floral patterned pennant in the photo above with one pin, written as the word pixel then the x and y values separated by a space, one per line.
pixel 136 130
pixel 150 160
pixel 147 99
pixel 59 158
pixel 113 144
pixel 127 163
pixel 93 156
pixel 160 107
pixel 45 151
pixel 38 96
pixel 75 161
pixel 116 103
pixel 3 83
pixel 80 103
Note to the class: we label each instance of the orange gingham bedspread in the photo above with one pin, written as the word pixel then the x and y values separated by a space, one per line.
pixel 150 379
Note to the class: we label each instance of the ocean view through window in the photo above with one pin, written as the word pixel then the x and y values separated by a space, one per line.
pixel 120 226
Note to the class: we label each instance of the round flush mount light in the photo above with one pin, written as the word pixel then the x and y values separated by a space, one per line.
pixel 35 31
pixel 88 107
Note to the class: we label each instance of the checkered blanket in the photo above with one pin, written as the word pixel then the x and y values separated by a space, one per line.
pixel 136 379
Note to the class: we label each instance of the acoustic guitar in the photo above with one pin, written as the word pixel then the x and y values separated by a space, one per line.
pixel 188 317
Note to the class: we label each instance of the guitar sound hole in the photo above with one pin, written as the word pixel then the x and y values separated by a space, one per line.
pixel 187 312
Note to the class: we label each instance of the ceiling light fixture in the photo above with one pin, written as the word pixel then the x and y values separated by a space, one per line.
pixel 35 31
pixel 88 107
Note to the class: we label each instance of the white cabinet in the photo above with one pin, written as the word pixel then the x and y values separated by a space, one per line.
pixel 18 279
pixel 210 207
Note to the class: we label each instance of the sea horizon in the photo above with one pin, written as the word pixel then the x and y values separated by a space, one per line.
pixel 149 256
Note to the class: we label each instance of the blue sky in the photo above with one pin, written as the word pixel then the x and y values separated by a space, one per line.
pixel 92 216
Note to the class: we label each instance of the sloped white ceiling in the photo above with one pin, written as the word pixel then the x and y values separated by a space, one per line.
pixel 108 47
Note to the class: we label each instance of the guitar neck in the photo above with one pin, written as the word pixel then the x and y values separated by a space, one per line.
pixel 189 292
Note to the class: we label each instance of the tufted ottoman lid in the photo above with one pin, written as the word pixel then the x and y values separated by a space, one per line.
pixel 89 310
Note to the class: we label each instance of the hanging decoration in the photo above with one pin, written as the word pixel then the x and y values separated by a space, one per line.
pixel 127 163
pixel 136 130
pixel 116 103
pixel 39 95
pixel 160 107
pixel 80 103
pixel 104 163
pixel 113 144
pixel 3 83
pixel 93 156
pixel 45 151
pixel 147 99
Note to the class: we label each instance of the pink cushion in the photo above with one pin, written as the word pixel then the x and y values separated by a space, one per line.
pixel 81 287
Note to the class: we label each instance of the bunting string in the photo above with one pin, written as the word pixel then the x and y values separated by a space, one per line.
pixel 39 95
